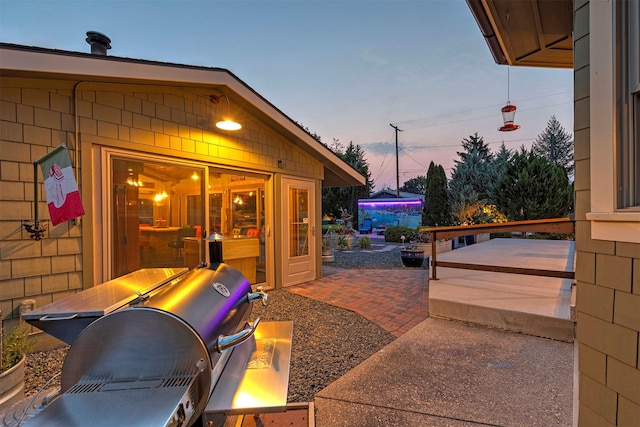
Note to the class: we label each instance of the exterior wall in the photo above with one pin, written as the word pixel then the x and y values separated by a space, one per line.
pixel 608 280
pixel 37 115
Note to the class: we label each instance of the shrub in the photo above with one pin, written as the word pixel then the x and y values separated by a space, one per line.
pixel 342 243
pixel 364 243
pixel 394 234
pixel 15 345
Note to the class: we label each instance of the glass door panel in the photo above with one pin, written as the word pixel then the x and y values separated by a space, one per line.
pixel 157 215
pixel 298 222
pixel 236 212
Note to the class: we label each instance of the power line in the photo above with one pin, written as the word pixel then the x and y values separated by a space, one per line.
pixel 413 147
pixel 481 108
pixel 485 117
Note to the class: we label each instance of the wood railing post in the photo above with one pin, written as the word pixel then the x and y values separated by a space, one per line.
pixel 433 255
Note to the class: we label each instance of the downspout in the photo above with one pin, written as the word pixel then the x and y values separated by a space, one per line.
pixel 77 138
pixel 99 46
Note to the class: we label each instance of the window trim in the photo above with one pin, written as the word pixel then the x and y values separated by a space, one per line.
pixel 607 221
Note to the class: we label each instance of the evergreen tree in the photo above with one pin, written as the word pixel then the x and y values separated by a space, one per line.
pixel 437 211
pixel 416 185
pixel 470 188
pixel 347 197
pixel 533 188
pixel 475 143
pixel 501 159
pixel 556 145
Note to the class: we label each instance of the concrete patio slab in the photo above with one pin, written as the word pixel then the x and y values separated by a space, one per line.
pixel 448 373
pixel 534 305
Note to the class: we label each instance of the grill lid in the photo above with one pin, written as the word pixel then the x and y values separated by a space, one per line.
pixel 66 318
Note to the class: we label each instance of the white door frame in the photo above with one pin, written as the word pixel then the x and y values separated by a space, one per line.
pixel 298 267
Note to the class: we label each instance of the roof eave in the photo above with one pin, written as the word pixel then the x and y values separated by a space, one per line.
pixel 23 60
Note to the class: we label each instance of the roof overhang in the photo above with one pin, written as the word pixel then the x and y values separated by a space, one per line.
pixel 34 62
pixel 538 33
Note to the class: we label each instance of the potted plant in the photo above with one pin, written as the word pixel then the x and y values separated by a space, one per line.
pixel 412 256
pixel 15 346
pixel 347 234
pixel 422 240
pixel 327 245
pixel 343 245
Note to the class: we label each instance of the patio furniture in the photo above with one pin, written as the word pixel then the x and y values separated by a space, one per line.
pixel 367 226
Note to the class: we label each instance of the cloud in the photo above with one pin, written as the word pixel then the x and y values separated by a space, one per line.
pixel 380 148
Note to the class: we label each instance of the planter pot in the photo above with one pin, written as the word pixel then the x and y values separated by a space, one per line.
pixel 351 241
pixel 12 385
pixel 412 258
pixel 327 255
pixel 441 246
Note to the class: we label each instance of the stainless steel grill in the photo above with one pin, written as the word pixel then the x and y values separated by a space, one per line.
pixel 153 347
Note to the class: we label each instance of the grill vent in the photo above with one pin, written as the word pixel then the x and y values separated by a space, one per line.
pixel 176 382
pixel 182 381
pixel 85 388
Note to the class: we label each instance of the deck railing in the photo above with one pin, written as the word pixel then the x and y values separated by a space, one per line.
pixel 554 225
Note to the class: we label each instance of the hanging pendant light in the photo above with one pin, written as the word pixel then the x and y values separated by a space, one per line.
pixel 509 110
pixel 227 123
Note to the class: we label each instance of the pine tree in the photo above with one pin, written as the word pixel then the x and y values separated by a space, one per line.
pixel 556 145
pixel 501 159
pixel 347 197
pixel 533 188
pixel 437 210
pixel 471 187
pixel 475 142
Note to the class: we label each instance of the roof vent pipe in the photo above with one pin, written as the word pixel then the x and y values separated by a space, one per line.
pixel 99 42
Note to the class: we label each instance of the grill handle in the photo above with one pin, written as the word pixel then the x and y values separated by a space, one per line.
pixel 229 341
pixel 259 294
pixel 50 318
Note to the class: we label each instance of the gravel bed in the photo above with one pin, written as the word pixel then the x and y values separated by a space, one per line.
pixel 328 341
pixel 377 258
pixel 41 367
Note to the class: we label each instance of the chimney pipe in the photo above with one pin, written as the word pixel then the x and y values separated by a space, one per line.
pixel 99 42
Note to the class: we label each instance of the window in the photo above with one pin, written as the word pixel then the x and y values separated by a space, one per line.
pixel 627 91
pixel 614 78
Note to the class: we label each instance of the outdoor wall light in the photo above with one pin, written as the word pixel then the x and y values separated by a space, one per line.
pixel 226 124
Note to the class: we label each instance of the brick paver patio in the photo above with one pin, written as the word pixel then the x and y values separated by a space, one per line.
pixel 395 300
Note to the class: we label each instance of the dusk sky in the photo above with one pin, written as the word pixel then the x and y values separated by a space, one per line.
pixel 344 69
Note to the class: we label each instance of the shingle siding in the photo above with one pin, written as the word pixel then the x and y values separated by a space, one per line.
pixel 608 283
pixel 37 115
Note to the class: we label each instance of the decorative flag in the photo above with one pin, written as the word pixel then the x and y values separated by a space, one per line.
pixel 63 197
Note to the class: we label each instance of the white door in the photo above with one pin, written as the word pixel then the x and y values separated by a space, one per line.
pixel 299 263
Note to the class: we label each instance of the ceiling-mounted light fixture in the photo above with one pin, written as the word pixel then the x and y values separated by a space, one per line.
pixel 508 111
pixel 227 123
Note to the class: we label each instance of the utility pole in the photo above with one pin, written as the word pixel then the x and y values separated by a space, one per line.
pixel 553 149
pixel 397 168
